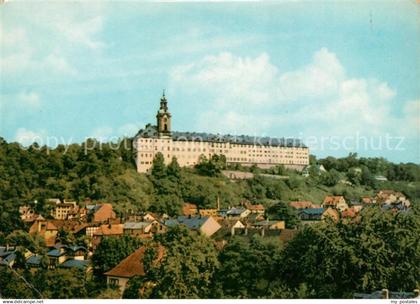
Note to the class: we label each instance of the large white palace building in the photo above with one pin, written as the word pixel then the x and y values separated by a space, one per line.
pixel 187 147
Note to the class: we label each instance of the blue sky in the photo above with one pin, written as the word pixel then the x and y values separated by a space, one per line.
pixel 341 76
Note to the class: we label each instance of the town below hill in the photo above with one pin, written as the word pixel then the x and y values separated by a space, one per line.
pixel 85 219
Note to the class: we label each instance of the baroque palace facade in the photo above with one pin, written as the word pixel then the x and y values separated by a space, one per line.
pixel 187 147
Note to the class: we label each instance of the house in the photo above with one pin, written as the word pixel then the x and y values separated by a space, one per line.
pixel 77 264
pixel 34 261
pixel 318 169
pixel 386 294
pixel 7 255
pixel 100 213
pixel 301 204
pixel 47 229
pixel 222 212
pixel 270 225
pixel 131 266
pixel 391 197
pixel 310 215
pixel 368 200
pixel 109 230
pixel 27 214
pixel 106 230
pixel 254 217
pixel 61 254
pixel 208 212
pixel 63 210
pixel 189 209
pixel 239 212
pixel 336 202
pixel 228 226
pixel 349 213
pixel 57 256
pixel 258 208
pixel 143 229
pixel 207 225
pixel 150 217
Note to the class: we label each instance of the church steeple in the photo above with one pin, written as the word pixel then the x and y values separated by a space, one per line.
pixel 164 117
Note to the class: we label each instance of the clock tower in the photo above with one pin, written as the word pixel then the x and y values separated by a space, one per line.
pixel 163 118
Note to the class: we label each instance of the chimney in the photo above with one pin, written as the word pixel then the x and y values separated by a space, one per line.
pixel 384 294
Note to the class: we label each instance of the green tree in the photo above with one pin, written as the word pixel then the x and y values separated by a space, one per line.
pixel 283 212
pixel 379 250
pixel 174 170
pixel 65 284
pixel 247 268
pixel 188 267
pixel 111 251
pixel 158 166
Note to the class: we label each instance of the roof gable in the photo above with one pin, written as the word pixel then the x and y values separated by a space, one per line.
pixel 133 264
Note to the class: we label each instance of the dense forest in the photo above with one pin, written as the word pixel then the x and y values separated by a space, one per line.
pixel 326 260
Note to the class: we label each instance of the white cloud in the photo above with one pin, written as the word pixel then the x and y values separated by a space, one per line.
pixel 58 64
pixel 82 33
pixel 30 98
pixel 27 137
pixel 47 38
pixel 102 133
pixel 321 78
pixel 129 129
pixel 107 133
pixel 245 94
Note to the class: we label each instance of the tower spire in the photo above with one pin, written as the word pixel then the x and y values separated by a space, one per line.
pixel 163 117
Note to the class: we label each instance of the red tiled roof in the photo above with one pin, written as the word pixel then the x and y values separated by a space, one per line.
pixel 348 213
pixel 104 213
pixel 133 264
pixel 332 200
pixel 189 209
pixel 110 229
pixel 301 205
pixel 367 199
pixel 256 207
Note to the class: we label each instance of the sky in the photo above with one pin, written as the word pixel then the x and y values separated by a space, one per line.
pixel 341 76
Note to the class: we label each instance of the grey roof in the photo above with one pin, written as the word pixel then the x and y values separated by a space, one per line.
pixel 6 251
pixel 235 211
pixel 8 259
pixel 378 295
pixel 55 253
pixel 194 222
pixel 312 211
pixel 171 223
pixel 265 223
pixel 34 260
pixel 76 248
pixel 82 264
pixel 136 225
pixel 151 132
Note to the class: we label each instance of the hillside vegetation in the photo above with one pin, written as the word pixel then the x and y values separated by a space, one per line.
pixel 106 172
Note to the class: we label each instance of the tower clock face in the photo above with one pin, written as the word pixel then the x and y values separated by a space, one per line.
pixel 165 119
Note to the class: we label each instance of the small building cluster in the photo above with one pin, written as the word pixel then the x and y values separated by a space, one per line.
pixel 93 222
pixel 336 207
